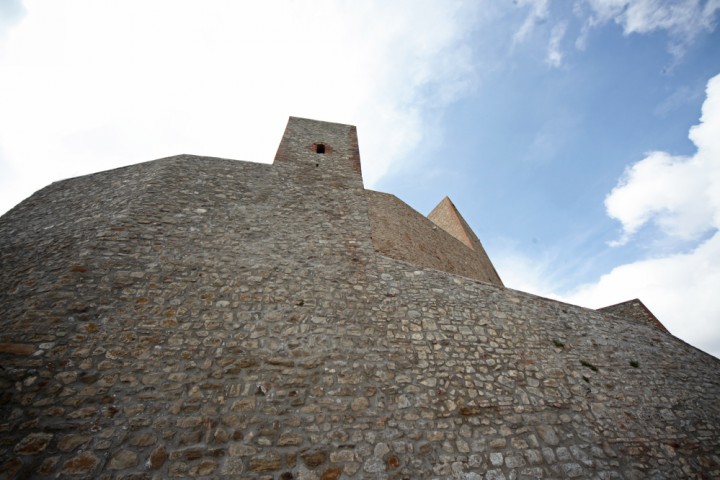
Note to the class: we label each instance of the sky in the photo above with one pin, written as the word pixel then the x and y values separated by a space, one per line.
pixel 580 139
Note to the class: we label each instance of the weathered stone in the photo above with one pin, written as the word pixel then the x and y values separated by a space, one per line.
pixel 374 465
pixel 84 412
pixel 233 466
pixel 331 473
pixel 123 459
pixel 81 464
pixel 17 348
pixel 265 462
pixel 470 410
pixel 47 467
pixel 33 444
pixel 380 449
pixel 241 450
pixel 497 443
pixel 494 475
pixel 157 458
pixel 290 439
pixel 189 438
pixel 243 405
pixel 342 456
pixel 68 443
pixel 206 467
pixel 547 434
pixel 360 403
pixel 143 439
pixel 572 470
pixel 313 459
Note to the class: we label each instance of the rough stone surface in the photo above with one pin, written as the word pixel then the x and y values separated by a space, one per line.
pixel 201 317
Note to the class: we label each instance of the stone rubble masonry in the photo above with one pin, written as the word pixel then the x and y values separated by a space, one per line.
pixel 196 317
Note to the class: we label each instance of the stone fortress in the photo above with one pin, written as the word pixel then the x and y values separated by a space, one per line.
pixel 210 318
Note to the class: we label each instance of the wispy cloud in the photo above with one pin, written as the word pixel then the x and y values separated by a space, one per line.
pixel 554 55
pixel 538 12
pixel 683 19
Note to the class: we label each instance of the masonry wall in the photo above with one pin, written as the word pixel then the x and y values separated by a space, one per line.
pixel 201 317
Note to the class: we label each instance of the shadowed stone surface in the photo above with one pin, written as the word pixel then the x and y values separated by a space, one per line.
pixel 202 317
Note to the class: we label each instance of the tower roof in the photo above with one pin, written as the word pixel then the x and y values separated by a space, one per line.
pixel 446 216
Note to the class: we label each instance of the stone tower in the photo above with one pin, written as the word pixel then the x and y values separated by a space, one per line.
pixel 203 317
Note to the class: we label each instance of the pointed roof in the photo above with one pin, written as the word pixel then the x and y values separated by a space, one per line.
pixel 446 216
pixel 634 309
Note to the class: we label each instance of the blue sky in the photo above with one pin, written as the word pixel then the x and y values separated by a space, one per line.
pixel 560 129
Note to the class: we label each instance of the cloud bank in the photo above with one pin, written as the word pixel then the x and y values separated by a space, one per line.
pixel 91 85
pixel 680 197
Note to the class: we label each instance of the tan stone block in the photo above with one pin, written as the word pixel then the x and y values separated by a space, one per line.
pixel 313 459
pixel 83 463
pixel 143 439
pixel 157 458
pixel 68 443
pixel 33 444
pixel 17 348
pixel 206 467
pixel 123 459
pixel 265 463
pixel 331 473
pixel 360 403
pixel 290 439
pixel 243 405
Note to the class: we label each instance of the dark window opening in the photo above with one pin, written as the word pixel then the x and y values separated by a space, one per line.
pixel 320 148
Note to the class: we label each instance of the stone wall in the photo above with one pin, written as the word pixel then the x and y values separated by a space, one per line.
pixel 201 317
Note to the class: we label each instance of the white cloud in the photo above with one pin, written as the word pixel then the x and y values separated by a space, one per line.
pixel 91 85
pixel 683 19
pixel 554 55
pixel 681 196
pixel 681 290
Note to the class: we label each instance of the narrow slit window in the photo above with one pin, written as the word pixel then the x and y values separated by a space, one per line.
pixel 320 148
